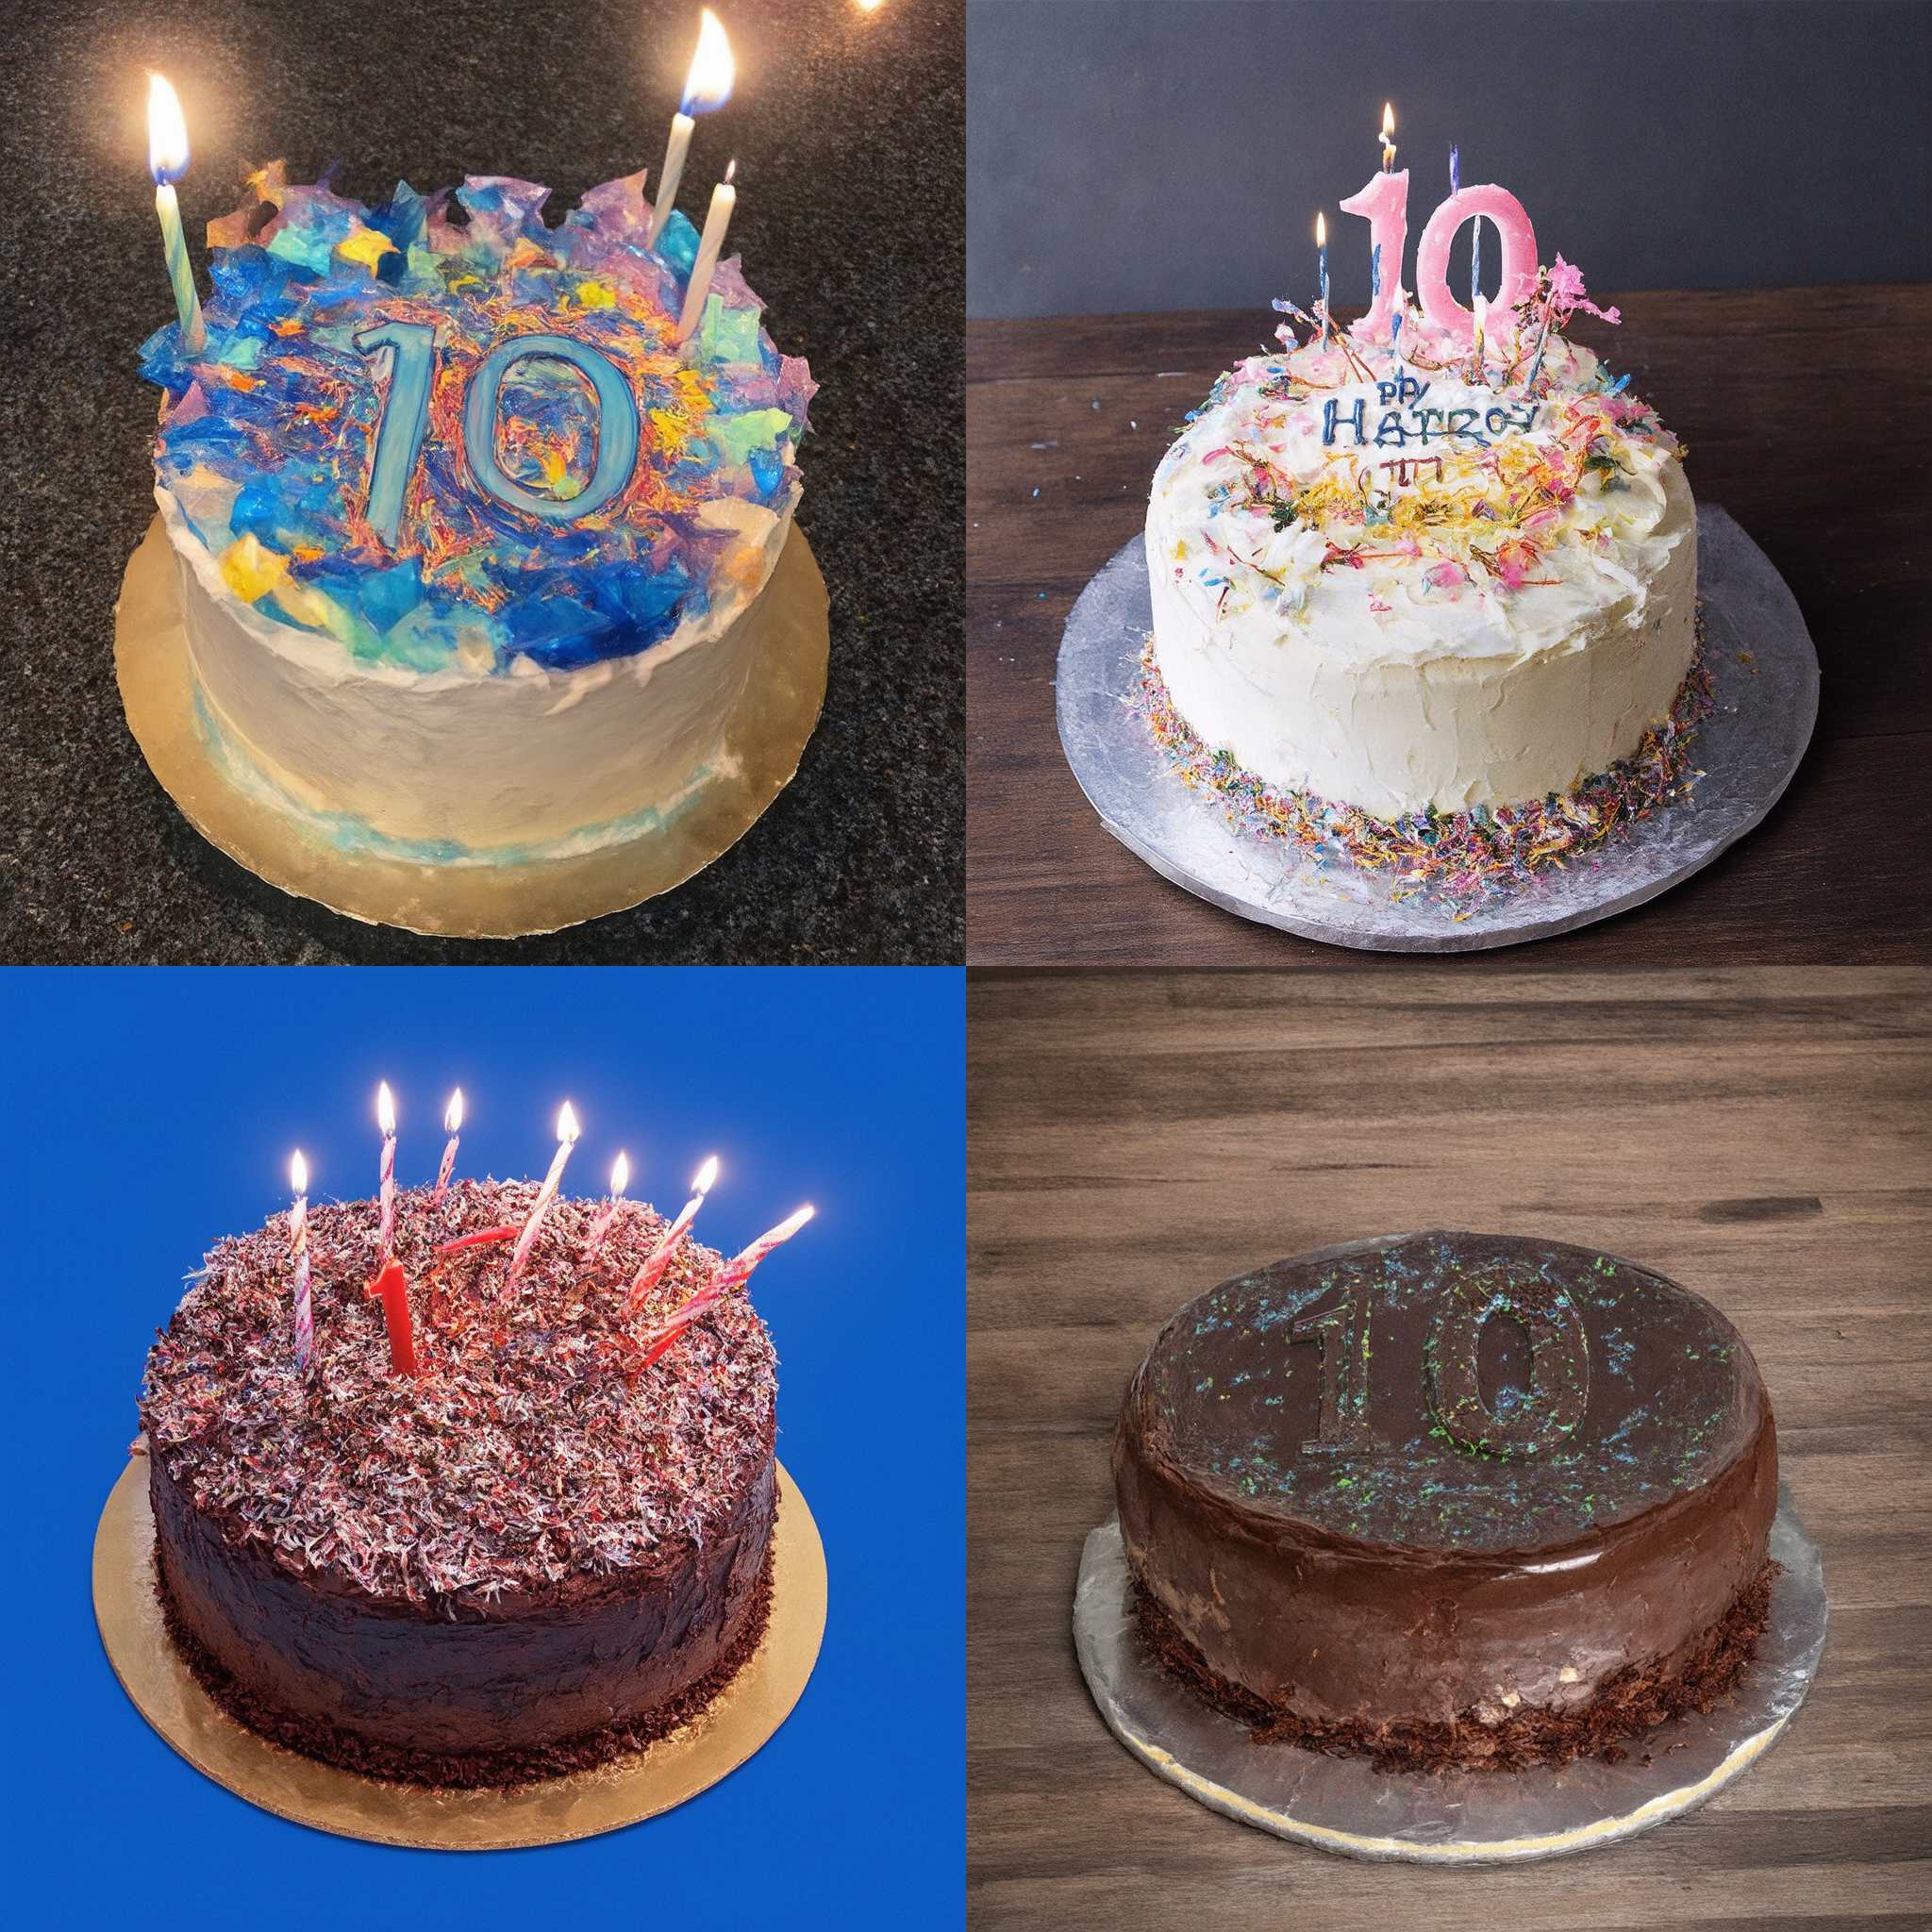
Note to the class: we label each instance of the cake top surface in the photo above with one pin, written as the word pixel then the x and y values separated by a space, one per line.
pixel 1394 505
pixel 268 438
pixel 1502 1395
pixel 531 1448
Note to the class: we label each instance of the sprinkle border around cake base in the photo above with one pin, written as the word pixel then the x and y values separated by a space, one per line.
pixel 1628 1706
pixel 1458 862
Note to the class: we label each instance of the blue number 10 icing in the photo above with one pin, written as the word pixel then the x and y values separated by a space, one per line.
pixel 406 415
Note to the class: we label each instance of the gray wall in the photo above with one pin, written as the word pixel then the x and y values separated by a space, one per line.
pixel 1129 154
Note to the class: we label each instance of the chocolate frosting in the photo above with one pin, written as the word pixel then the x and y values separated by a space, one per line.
pixel 1444 1475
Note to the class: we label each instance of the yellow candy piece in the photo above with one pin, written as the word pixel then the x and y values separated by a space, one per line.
pixel 250 571
pixel 367 246
pixel 595 295
pixel 304 603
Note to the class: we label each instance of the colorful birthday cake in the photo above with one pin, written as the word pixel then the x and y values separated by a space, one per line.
pixel 1428 607
pixel 1450 1500
pixel 472 540
pixel 548 1543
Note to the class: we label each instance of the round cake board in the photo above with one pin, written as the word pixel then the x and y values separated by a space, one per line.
pixel 1760 657
pixel 690 1760
pixel 1452 1817
pixel 764 739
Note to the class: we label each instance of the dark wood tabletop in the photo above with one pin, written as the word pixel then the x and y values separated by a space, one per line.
pixel 1758 1135
pixel 1803 411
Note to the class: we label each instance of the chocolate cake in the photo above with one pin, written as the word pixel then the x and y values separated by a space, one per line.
pixel 1450 1500
pixel 544 1549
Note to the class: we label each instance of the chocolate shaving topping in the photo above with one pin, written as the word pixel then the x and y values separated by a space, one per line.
pixel 533 1447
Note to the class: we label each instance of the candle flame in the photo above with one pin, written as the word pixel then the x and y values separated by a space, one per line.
pixel 567 1128
pixel 1388 122
pixel 453 1114
pixel 706 1175
pixel 385 1109
pixel 870 6
pixel 708 83
pixel 167 132
pixel 1321 231
pixel 620 1174
pixel 298 1174
pixel 731 170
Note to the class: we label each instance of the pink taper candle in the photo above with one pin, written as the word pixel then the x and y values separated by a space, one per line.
pixel 566 1139
pixel 1432 256
pixel 385 1183
pixel 738 1270
pixel 298 1245
pixel 620 1179
pixel 452 1125
pixel 660 1258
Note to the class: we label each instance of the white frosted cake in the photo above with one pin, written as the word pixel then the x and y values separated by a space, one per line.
pixel 528 640
pixel 1388 588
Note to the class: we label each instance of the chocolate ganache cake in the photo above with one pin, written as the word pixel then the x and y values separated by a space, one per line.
pixel 1450 1500
pixel 550 1545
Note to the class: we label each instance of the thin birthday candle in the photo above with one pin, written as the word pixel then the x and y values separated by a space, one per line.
pixel 620 1179
pixel 660 1258
pixel 707 86
pixel 737 1271
pixel 452 1125
pixel 1321 269
pixel 298 1245
pixel 717 218
pixel 167 161
pixel 566 1139
pixel 386 1173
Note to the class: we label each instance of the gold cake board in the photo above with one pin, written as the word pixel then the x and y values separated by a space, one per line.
pixel 690 1760
pixel 764 739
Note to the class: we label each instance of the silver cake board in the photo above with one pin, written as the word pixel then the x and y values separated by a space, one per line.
pixel 1451 1818
pixel 1765 670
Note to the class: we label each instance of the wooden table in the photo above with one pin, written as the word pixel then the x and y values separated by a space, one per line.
pixel 1803 413
pixel 1759 1135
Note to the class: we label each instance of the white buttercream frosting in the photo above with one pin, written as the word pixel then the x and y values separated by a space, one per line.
pixel 1491 602
pixel 461 762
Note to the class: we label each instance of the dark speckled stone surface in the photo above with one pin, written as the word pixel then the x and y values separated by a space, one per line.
pixel 849 130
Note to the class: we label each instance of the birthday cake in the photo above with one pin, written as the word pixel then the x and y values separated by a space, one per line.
pixel 1450 1500
pixel 550 1544
pixel 1425 608
pixel 472 541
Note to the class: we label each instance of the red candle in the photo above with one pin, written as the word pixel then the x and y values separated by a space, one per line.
pixel 392 1285
pixel 660 1258
pixel 482 1238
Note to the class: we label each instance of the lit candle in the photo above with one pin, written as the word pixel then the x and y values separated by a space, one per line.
pixel 452 1125
pixel 660 1258
pixel 1321 269
pixel 298 1244
pixel 566 1139
pixel 392 1286
pixel 1387 139
pixel 737 1271
pixel 707 86
pixel 1384 204
pixel 620 1179
pixel 167 161
pixel 717 218
pixel 386 1173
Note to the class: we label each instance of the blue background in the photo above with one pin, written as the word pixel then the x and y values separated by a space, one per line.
pixel 149 1112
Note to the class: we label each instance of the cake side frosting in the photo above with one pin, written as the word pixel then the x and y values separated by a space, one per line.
pixel 1404 586
pixel 1449 1489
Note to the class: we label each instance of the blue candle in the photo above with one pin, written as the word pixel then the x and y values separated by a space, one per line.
pixel 1454 171
pixel 1321 270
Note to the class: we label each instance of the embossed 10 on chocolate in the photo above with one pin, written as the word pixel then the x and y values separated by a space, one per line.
pixel 1550 1408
